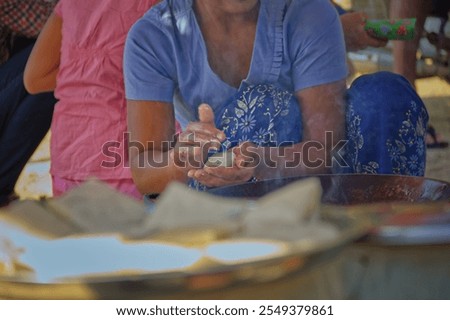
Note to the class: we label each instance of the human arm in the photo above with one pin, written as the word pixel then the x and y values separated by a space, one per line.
pixel 317 53
pixel 149 145
pixel 356 37
pixel 43 64
pixel 150 82
pixel 315 57
pixel 156 158
pixel 323 115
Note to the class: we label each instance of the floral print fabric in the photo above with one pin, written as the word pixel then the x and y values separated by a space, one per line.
pixel 263 114
pixel 386 126
pixel 386 123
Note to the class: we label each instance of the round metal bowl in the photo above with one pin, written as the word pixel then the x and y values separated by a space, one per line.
pixel 353 189
pixel 407 210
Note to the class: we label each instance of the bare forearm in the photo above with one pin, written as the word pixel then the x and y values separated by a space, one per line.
pixel 43 62
pixel 46 83
pixel 323 130
pixel 153 170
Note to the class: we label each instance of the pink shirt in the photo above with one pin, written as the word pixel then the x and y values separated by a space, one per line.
pixel 89 120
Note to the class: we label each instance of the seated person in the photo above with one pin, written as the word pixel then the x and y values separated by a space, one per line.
pixel 79 54
pixel 266 80
pixel 24 118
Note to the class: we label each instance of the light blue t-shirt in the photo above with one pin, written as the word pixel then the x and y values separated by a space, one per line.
pixel 298 44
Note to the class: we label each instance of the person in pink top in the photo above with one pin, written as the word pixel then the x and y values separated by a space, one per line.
pixel 79 55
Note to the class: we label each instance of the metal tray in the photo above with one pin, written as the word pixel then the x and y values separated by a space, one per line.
pixel 109 267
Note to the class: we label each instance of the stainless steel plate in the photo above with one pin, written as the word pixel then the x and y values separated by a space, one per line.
pixel 109 267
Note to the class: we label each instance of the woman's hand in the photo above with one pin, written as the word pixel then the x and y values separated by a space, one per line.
pixel 356 38
pixel 243 168
pixel 193 144
pixel 153 161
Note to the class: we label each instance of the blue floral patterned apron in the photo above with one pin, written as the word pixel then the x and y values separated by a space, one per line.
pixel 385 118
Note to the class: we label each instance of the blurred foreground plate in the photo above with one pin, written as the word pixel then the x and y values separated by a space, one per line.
pixel 107 267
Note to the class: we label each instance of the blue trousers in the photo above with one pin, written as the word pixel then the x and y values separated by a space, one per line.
pixel 385 124
pixel 24 121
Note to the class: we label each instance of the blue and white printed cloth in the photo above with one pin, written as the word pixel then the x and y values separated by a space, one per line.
pixel 386 123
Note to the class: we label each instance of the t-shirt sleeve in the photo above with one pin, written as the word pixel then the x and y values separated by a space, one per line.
pixel 148 65
pixel 316 44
